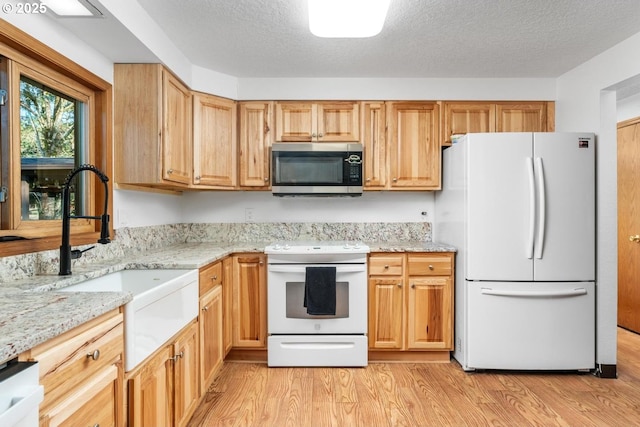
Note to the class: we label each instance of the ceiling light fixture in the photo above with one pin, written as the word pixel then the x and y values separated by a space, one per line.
pixel 347 18
pixel 68 8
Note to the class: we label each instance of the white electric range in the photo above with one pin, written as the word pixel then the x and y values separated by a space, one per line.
pixel 330 330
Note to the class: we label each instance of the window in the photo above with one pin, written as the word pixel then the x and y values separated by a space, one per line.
pixel 55 116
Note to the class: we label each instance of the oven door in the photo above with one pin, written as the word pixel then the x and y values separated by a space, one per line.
pixel 286 311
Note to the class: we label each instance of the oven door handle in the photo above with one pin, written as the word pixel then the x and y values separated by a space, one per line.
pixel 273 268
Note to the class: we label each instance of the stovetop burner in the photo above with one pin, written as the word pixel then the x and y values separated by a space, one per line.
pixel 317 247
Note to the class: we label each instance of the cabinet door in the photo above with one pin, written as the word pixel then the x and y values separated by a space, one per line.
pixel 374 142
pixel 150 392
pixel 176 130
pixel 521 117
pixel 295 121
pixel 430 318
pixel 249 301
pixel 386 312
pixel 414 145
pixel 211 351
pixel 186 385
pixel 214 141
pixel 338 122
pixel 255 142
pixel 466 117
pixel 227 304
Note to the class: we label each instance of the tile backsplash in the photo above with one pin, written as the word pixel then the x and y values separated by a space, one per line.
pixel 133 241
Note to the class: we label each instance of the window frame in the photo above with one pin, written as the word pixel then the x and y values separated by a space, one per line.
pixel 25 52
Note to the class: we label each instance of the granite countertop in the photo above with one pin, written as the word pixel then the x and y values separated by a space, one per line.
pixel 34 311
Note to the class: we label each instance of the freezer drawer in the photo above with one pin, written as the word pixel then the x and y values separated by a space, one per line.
pixel 530 326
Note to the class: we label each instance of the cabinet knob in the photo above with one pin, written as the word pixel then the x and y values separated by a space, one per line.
pixel 205 308
pixel 320 135
pixel 177 356
pixel 635 238
pixel 368 179
pixel 95 355
pixel 386 267
pixel 261 263
pixel 430 267
pixel 313 135
pixel 266 180
pixel 170 171
pixel 215 277
pixel 395 179
pixel 399 285
pixel 413 286
pixel 197 178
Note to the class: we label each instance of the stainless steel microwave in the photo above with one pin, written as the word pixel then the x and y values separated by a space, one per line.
pixel 316 169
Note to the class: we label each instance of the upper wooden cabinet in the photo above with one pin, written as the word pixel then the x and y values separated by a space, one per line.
pixel 375 144
pixel 414 145
pixel 214 142
pixel 460 117
pixel 255 138
pixel 317 121
pixel 522 117
pixel 152 127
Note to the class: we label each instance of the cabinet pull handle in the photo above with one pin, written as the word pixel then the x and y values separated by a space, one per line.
pixel 430 267
pixel 95 355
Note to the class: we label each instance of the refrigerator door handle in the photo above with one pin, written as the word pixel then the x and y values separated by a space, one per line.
pixel 542 207
pixel 532 208
pixel 534 294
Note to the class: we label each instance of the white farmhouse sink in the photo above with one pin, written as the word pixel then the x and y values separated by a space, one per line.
pixel 164 301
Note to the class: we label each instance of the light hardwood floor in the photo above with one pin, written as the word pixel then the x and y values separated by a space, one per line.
pixel 408 394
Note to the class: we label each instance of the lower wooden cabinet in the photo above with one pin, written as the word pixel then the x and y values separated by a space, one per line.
pixel 82 374
pixel 164 391
pixel 227 304
pixel 411 301
pixel 211 336
pixel 249 301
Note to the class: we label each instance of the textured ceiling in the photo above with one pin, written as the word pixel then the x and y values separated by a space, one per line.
pixel 421 38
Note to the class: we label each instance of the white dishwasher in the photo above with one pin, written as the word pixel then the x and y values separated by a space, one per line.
pixel 20 394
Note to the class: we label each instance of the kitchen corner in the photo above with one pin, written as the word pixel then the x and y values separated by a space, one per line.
pixel 36 311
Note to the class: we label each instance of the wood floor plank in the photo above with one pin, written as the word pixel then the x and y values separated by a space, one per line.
pixel 421 394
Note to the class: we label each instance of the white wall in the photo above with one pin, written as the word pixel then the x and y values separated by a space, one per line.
pixel 586 102
pixel 396 89
pixel 254 206
pixel 628 108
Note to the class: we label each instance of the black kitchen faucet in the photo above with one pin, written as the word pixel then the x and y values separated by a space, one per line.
pixel 66 254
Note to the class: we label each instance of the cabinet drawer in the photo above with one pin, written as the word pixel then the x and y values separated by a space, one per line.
pixel 69 359
pixel 92 405
pixel 386 265
pixel 210 276
pixel 429 265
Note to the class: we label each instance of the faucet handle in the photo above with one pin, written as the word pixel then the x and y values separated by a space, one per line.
pixel 77 253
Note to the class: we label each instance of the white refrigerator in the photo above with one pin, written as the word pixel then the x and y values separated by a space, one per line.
pixel 520 208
